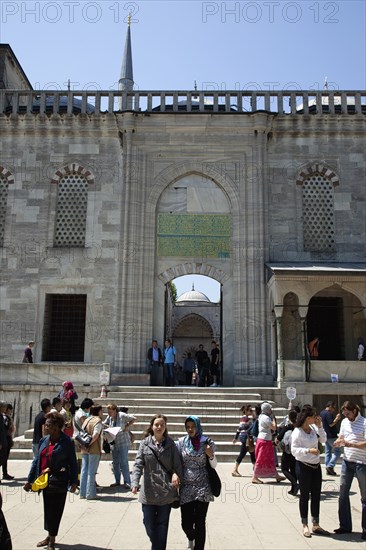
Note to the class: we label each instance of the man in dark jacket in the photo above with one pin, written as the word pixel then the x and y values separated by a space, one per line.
pixel 155 358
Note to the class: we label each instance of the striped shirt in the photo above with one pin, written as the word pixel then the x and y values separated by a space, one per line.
pixel 354 432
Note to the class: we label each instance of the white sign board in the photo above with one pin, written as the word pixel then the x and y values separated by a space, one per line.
pixel 334 377
pixel 291 393
pixel 104 378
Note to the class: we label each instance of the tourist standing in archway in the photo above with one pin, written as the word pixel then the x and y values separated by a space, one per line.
pixel 215 364
pixel 155 357
pixel 203 362
pixel 169 362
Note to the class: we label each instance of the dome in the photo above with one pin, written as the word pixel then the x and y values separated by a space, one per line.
pixel 193 296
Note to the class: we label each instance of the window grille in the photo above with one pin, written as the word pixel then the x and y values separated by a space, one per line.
pixel 72 202
pixel 318 214
pixel 3 203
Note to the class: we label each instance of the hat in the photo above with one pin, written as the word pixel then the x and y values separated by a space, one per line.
pixel 266 408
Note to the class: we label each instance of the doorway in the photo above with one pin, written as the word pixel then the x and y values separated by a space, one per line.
pixel 64 327
pixel 325 320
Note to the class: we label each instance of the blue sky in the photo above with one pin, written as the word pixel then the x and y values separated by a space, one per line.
pixel 220 45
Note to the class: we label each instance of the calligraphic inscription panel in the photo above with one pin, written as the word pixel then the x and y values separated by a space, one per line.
pixel 194 235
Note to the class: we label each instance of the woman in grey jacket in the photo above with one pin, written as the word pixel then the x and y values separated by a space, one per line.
pixel 158 459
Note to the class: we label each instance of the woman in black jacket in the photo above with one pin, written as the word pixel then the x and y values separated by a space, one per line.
pixel 56 456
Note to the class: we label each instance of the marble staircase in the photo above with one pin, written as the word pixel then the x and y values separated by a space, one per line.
pixel 218 409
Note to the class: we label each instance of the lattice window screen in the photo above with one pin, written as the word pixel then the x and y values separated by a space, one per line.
pixel 318 214
pixel 3 203
pixel 72 204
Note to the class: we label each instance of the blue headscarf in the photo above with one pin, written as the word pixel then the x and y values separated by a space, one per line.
pixel 193 443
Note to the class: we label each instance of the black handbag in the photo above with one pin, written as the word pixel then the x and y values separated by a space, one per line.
pixel 214 479
pixel 106 447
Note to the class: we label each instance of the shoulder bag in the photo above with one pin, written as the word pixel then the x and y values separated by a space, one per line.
pixel 213 477
pixel 175 503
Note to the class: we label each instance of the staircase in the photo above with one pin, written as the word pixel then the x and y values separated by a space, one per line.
pixel 218 409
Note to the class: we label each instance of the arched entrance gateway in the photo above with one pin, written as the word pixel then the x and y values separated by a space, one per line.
pixel 194 236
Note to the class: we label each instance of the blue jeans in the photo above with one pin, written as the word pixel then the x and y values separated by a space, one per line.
pixel 120 464
pixel 89 467
pixel 156 521
pixel 331 453
pixel 348 472
pixel 169 374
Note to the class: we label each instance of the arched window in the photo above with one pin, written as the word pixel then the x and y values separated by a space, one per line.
pixel 72 202
pixel 318 213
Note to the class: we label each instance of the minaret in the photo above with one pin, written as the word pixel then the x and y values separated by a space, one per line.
pixel 125 82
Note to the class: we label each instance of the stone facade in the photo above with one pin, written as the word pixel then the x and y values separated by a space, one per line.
pixel 248 167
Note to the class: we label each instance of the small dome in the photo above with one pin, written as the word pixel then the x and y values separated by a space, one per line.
pixel 193 296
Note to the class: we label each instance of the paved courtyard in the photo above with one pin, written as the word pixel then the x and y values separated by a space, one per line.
pixel 245 516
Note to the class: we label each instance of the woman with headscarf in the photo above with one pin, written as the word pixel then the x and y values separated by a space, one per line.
pixel 265 462
pixel 68 392
pixel 197 451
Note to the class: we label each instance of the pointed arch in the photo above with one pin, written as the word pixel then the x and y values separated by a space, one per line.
pixel 6 175
pixel 317 168
pixel 73 168
pixel 175 172
pixel 193 268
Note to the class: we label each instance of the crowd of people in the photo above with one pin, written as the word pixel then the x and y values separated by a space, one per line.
pixel 302 437
pixel 169 473
pixel 201 370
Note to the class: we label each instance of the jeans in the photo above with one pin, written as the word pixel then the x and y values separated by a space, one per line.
pixel 310 483
pixel 348 472
pixel 120 464
pixel 156 521
pixel 169 374
pixel 194 522
pixel 35 449
pixel 89 467
pixel 331 453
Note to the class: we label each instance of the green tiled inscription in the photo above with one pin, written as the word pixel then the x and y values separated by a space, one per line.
pixel 192 235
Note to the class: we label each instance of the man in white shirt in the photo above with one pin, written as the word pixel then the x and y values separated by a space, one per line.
pixel 352 436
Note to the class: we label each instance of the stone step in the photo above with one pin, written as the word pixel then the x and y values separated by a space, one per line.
pixel 222 455
pixel 218 409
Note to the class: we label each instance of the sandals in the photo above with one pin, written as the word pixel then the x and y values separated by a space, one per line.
pixel 257 481
pixel 307 533
pixel 236 474
pixel 43 543
pixel 320 531
pixel 280 478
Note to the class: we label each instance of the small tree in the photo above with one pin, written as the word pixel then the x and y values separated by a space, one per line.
pixel 173 291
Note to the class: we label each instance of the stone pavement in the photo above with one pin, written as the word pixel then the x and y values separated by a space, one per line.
pixel 245 516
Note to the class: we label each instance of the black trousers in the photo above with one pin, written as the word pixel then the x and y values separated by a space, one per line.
pixel 53 504
pixel 194 522
pixel 310 482
pixel 288 467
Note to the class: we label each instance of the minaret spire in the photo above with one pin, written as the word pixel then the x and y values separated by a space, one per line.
pixel 126 82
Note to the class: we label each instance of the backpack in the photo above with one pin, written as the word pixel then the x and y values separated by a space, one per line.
pixel 285 443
